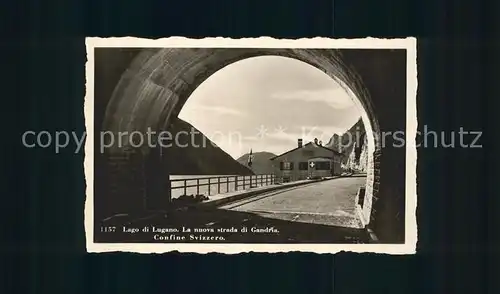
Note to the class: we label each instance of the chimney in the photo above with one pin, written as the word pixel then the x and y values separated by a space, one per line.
pixel 299 143
pixel 315 141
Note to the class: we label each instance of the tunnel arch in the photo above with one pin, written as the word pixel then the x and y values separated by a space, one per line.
pixel 157 82
pixel 161 78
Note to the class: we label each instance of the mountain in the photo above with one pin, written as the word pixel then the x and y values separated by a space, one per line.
pixel 198 156
pixel 260 163
pixel 353 140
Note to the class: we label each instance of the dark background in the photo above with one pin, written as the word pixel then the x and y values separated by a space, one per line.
pixel 43 82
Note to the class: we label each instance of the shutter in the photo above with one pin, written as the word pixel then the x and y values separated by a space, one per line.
pixel 281 165
pixel 291 165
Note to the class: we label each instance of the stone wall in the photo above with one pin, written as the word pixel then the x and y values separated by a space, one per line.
pixel 126 184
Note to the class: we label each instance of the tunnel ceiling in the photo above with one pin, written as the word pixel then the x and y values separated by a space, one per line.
pixel 159 81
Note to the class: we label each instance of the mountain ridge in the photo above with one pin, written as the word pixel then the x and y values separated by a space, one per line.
pixel 212 160
pixel 206 159
pixel 260 162
pixel 353 139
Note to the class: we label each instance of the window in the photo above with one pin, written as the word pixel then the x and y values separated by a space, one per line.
pixel 303 166
pixel 286 165
pixel 322 165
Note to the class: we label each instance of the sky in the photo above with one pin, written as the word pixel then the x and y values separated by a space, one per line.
pixel 267 103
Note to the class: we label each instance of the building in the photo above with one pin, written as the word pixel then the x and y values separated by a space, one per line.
pixel 311 160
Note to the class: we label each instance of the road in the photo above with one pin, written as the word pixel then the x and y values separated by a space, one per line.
pixel 328 203
pixel 320 212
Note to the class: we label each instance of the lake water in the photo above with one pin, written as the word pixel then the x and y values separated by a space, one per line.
pixel 214 186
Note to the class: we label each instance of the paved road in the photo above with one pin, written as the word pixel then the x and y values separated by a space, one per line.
pixel 328 203
pixel 321 212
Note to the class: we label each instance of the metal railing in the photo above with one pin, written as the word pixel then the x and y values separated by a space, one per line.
pixel 230 183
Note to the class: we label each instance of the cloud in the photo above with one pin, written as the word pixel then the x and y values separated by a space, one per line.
pixel 306 133
pixel 250 138
pixel 323 133
pixel 336 98
pixel 217 109
pixel 284 136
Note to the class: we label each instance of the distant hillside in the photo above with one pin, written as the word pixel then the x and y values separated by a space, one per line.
pixel 211 160
pixel 345 143
pixel 260 163
pixel 191 160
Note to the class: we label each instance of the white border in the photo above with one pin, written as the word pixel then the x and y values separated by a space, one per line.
pixel 264 42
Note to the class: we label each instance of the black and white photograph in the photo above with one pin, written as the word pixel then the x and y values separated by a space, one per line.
pixel 251 145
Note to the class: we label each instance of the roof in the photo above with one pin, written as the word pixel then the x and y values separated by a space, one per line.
pixel 334 152
pixel 319 157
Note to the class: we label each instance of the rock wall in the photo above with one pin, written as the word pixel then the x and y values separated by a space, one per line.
pixel 363 156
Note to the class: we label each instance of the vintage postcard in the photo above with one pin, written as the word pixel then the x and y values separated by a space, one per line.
pixel 251 145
